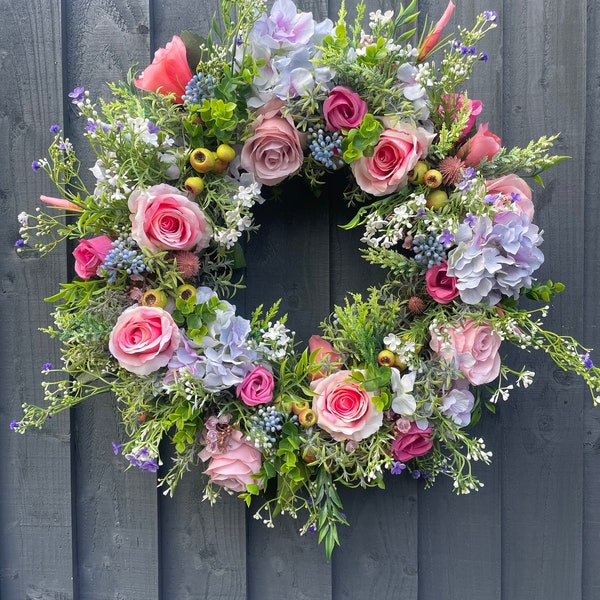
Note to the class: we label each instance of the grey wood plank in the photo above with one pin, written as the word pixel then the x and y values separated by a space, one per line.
pixel 35 478
pixel 115 511
pixel 544 49
pixel 591 219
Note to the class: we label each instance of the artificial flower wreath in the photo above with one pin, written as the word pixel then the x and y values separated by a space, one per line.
pixel 398 375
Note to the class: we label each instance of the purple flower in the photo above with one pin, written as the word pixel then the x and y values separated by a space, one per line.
pixel 416 473
pixel 116 448
pixel 312 528
pixel 14 425
pixel 421 212
pixel 490 15
pixel 20 243
pixel 47 367
pixel 397 467
pixel 152 128
pixel 484 57
pixel 77 95
pixel 285 26
pixel 91 126
pixel 446 238
pixel 458 403
pixel 36 166
pixel 587 361
pixel 54 128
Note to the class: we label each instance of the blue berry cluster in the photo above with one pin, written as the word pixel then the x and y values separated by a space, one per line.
pixel 264 427
pixel 123 257
pixel 199 87
pixel 428 250
pixel 326 148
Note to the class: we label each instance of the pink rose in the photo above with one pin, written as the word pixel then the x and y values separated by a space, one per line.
pixel 343 109
pixel 343 409
pixel 274 151
pixel 415 442
pixel 440 286
pixel 326 354
pixel 143 339
pixel 484 144
pixel 473 347
pixel 164 219
pixel 90 254
pixel 514 190
pixel 169 72
pixel 451 103
pixel 233 468
pixel 396 153
pixel 433 37
pixel 256 388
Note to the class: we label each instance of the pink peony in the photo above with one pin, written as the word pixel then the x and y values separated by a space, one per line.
pixel 326 354
pixel 164 219
pixel 343 109
pixel 440 286
pixel 451 103
pixel 256 388
pixel 274 151
pixel 233 468
pixel 169 72
pixel 415 442
pixel 143 339
pixel 484 144
pixel 511 187
pixel 433 37
pixel 343 408
pixel 90 254
pixel 396 153
pixel 473 347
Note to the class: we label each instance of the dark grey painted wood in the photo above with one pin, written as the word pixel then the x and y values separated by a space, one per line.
pixel 35 477
pixel 532 533
pixel 591 219
pixel 542 487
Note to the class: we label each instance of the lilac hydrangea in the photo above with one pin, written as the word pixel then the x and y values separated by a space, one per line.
pixel 495 258
pixel 225 355
pixel 286 40
pixel 458 403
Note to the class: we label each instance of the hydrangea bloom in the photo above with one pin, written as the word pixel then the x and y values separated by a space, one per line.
pixel 495 258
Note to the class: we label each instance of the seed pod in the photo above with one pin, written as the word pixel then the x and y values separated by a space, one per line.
pixel 154 298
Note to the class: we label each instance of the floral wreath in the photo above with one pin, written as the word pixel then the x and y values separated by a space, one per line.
pixel 398 376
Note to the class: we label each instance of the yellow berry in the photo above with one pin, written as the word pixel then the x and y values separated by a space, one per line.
pixel 194 185
pixel 225 153
pixel 433 178
pixel 154 298
pixel 202 160
pixel 417 174
pixel 386 358
pixel 186 291
pixel 437 199
pixel 307 417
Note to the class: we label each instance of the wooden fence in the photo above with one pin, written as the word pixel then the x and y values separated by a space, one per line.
pixel 73 524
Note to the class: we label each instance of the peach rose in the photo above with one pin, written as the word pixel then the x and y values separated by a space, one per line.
pixel 343 109
pixel 326 354
pixel 274 151
pixel 164 219
pixel 143 339
pixel 440 286
pixel 256 388
pixel 90 254
pixel 514 190
pixel 169 72
pixel 344 410
pixel 473 347
pixel 484 144
pixel 396 153
pixel 233 468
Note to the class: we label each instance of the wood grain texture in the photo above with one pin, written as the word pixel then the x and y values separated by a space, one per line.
pixel 591 324
pixel 35 479
pixel 542 487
